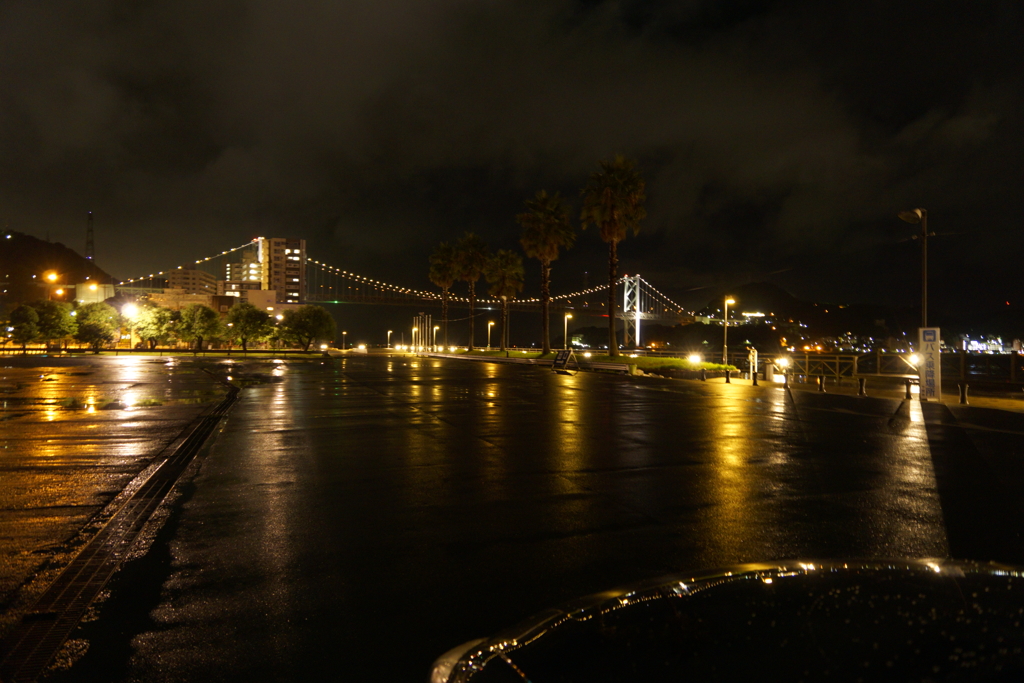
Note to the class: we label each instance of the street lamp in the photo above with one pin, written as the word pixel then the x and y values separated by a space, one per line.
pixel 489 326
pixel 389 339
pixel 129 311
pixel 344 337
pixel 52 278
pixel 914 217
pixel 725 331
pixel 566 335
pixel 433 339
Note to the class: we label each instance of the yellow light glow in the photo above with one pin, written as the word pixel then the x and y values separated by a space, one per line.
pixel 782 362
pixel 693 358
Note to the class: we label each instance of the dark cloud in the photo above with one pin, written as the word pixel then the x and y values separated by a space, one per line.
pixel 774 135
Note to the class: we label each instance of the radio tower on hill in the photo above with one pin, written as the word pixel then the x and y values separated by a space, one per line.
pixel 90 248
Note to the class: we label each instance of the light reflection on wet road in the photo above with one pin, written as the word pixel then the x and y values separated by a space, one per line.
pixel 366 514
pixel 73 433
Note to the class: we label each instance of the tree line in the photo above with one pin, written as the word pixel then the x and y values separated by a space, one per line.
pixel 613 202
pixel 97 325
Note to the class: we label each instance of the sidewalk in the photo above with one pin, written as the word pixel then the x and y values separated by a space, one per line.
pixel 1011 401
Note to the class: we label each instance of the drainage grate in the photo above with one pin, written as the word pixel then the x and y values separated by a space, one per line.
pixel 30 646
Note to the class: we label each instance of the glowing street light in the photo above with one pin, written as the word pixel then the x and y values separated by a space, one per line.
pixel 567 316
pixel 489 326
pixel 51 277
pixel 433 340
pixel 344 337
pixel 389 339
pixel 725 331
pixel 130 311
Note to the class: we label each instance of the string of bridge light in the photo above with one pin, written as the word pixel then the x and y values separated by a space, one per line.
pixel 664 298
pixel 199 262
pixel 384 286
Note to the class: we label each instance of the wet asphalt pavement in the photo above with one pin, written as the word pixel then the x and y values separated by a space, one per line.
pixel 74 432
pixel 358 517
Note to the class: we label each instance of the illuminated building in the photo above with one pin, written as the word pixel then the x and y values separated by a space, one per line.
pixel 283 268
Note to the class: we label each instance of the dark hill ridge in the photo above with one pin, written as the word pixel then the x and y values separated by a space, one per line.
pixel 22 256
pixel 868 319
pixel 828 319
pixel 759 296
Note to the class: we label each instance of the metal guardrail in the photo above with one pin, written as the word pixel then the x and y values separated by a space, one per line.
pixel 626 368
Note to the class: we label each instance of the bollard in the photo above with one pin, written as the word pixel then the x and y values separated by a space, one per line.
pixel 963 393
pixel 785 379
pixel 907 395
pixel 821 383
pixel 862 390
pixel 703 375
pixel 753 376
pixel 727 373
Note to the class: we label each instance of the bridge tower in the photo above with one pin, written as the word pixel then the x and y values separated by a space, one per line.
pixel 631 311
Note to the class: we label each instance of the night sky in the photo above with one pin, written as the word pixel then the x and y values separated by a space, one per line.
pixel 778 139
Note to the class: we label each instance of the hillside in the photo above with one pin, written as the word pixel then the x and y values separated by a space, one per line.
pixel 22 256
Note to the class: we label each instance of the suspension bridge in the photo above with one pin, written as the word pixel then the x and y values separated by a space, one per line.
pixel 639 301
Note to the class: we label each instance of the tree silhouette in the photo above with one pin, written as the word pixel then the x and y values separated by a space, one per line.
pixel 443 269
pixel 307 324
pixel 471 259
pixel 504 272
pixel 613 200
pixel 247 323
pixel 198 322
pixel 546 229
pixel 98 324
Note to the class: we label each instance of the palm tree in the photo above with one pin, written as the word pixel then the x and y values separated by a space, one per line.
pixel 471 257
pixel 613 200
pixel 442 274
pixel 546 229
pixel 504 272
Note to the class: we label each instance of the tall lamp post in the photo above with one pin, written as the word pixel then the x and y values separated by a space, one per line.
pixel 914 217
pixel 389 339
pixel 130 311
pixel 52 278
pixel 725 331
pixel 489 326
pixel 433 339
pixel 566 333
